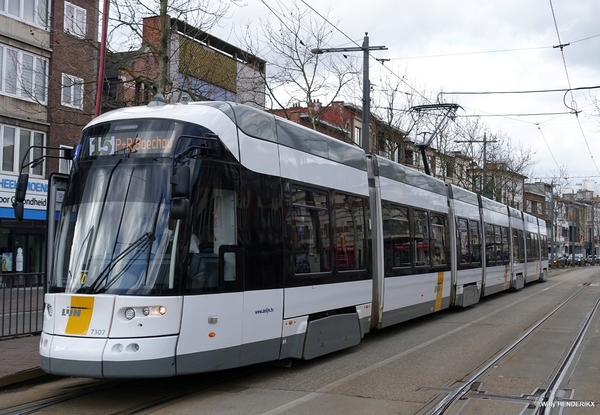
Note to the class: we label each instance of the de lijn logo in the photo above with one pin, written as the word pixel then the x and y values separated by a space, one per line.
pixel 73 311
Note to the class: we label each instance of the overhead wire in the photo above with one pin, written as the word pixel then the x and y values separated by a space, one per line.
pixel 548 145
pixel 382 62
pixel 561 46
pixel 485 52
pixel 356 43
pixel 427 99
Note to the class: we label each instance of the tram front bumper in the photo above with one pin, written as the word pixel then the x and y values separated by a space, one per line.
pixel 108 358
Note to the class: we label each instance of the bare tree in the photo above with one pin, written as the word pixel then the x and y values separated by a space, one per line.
pixel 296 75
pixel 559 182
pixel 146 55
pixel 391 100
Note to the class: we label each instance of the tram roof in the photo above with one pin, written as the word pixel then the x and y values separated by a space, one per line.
pixel 464 195
pixel 255 123
pixel 493 205
pixel 410 176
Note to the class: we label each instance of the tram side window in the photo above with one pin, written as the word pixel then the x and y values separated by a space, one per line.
pixel 490 245
pixel 536 247
pixel 544 246
pixel 505 249
pixel 349 231
pixel 310 231
pixel 498 244
pixel 438 239
pixel 214 205
pixel 396 236
pixel 462 229
pixel 421 238
pixel 521 246
pixel 529 246
pixel 515 245
pixel 475 241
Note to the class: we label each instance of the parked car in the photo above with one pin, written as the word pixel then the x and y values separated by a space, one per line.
pixel 579 261
pixel 593 260
pixel 560 260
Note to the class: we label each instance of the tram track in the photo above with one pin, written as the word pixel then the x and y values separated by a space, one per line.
pixel 544 399
pixel 234 389
pixel 171 394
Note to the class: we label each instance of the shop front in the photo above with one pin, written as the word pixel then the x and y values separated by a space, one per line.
pixel 22 243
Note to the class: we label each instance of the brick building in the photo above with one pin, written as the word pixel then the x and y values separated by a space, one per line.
pixel 344 121
pixel 201 67
pixel 47 84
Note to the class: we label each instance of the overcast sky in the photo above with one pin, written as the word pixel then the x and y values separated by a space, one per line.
pixel 487 45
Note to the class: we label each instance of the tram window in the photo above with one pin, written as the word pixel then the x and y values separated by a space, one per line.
pixel 505 251
pixel 421 238
pixel 529 246
pixel 438 239
pixel 498 244
pixel 536 247
pixel 475 241
pixel 490 245
pixel 521 246
pixel 214 202
pixel 462 238
pixel 396 237
pixel 310 231
pixel 544 246
pixel 349 232
pixel 515 237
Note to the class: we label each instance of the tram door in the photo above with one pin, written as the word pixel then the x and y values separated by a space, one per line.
pixel 211 330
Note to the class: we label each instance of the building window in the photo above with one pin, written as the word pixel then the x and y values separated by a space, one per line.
pixel 450 170
pixel 72 91
pixel 24 74
pixel 75 20
pixel 408 157
pixel 15 143
pixel 31 11
pixel 357 136
pixel 143 94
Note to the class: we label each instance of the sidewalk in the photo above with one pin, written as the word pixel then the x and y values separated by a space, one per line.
pixel 19 359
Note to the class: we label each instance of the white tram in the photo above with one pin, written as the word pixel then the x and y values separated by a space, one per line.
pixel 212 235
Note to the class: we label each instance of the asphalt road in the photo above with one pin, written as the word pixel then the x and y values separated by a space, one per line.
pixel 398 370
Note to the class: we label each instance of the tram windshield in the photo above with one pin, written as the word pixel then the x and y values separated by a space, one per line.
pixel 114 234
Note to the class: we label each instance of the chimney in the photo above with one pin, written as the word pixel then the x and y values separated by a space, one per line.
pixel 316 106
pixel 151 31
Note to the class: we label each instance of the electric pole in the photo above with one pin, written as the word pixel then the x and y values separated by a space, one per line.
pixel 366 100
pixel 485 141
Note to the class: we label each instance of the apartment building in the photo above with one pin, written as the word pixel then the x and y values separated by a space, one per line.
pixel 48 55
pixel 201 67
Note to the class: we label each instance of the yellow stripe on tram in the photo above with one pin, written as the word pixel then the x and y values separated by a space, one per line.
pixel 80 315
pixel 438 295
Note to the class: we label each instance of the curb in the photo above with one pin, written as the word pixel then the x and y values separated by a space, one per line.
pixel 23 376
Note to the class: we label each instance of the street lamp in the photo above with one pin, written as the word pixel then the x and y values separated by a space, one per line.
pixel 366 108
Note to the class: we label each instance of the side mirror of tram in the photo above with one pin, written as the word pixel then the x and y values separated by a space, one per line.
pixel 21 190
pixel 20 193
pixel 180 181
pixel 180 191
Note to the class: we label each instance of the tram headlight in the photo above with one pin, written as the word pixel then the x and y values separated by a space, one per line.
pixel 162 310
pixel 129 313
pixel 49 309
pixel 146 311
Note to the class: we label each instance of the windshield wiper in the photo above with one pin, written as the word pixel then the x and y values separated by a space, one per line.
pixel 138 246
